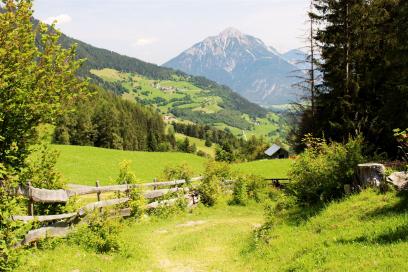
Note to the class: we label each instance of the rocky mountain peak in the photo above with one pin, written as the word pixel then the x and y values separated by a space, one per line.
pixel 231 32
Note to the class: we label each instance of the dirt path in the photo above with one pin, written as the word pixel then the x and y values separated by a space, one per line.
pixel 204 243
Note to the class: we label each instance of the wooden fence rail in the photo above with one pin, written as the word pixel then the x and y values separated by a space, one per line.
pixel 62 227
pixel 62 196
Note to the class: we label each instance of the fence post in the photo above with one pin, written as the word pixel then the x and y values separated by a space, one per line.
pixel 98 194
pixel 155 186
pixel 30 201
pixel 127 189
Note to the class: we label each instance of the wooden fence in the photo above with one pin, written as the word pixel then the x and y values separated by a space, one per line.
pixel 60 224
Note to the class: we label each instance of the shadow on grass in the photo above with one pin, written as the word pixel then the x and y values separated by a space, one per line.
pixel 397 235
pixel 390 210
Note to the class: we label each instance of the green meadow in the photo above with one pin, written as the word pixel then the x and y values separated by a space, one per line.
pixel 84 165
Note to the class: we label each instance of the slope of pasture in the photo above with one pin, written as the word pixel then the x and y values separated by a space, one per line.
pixel 265 168
pixel 85 165
pixel 199 143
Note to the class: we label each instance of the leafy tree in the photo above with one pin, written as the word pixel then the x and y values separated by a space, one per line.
pixel 36 85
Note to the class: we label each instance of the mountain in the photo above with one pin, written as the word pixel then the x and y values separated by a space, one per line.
pixel 297 58
pixel 244 63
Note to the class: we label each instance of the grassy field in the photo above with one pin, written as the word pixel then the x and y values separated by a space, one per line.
pixel 85 165
pixel 265 168
pixel 366 232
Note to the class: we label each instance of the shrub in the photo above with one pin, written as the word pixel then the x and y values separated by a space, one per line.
pixel 125 175
pixel 202 154
pixel 402 138
pixel 178 172
pixel 210 188
pixel 258 188
pixel 240 192
pixel 11 232
pixel 320 173
pixel 41 171
pixel 251 187
pixel 137 203
pixel 169 209
pixel 99 234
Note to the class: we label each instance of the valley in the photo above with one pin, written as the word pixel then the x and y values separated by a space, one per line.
pixel 180 100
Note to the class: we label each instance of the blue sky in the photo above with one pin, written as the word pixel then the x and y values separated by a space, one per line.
pixel 158 30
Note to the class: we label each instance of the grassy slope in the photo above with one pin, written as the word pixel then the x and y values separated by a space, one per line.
pixel 85 165
pixel 199 143
pixel 265 168
pixel 367 232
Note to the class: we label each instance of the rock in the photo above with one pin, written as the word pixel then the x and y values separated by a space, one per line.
pixel 371 174
pixel 399 180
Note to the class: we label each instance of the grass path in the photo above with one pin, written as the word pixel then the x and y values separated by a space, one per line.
pixel 205 240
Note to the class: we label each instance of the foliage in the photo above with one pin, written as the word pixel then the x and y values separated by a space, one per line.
pixel 240 192
pixel 36 85
pixel 402 139
pixel 320 173
pixel 178 172
pixel 137 203
pixel 100 233
pixel 106 120
pixel 364 67
pixel 126 176
pixel 10 231
pixel 166 210
pixel 41 172
pixel 251 187
pixel 210 188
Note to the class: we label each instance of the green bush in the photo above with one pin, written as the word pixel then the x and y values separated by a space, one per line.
pixel 41 171
pixel 320 173
pixel 125 175
pixel 11 232
pixel 240 192
pixel 137 203
pixel 170 209
pixel 178 172
pixel 210 188
pixel 100 233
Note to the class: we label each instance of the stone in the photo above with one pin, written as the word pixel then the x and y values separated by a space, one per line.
pixel 399 180
pixel 371 174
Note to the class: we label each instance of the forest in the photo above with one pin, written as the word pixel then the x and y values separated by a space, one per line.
pixel 357 82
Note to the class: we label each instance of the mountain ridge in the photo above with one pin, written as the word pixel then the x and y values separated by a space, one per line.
pixel 242 62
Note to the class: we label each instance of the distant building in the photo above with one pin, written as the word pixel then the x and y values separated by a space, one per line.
pixel 277 152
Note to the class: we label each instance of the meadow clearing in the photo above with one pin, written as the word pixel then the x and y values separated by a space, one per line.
pixel 85 165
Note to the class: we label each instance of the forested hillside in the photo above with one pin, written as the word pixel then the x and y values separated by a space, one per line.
pixel 106 120
pixel 181 100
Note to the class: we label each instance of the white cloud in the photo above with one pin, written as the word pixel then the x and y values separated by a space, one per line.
pixel 144 41
pixel 60 19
